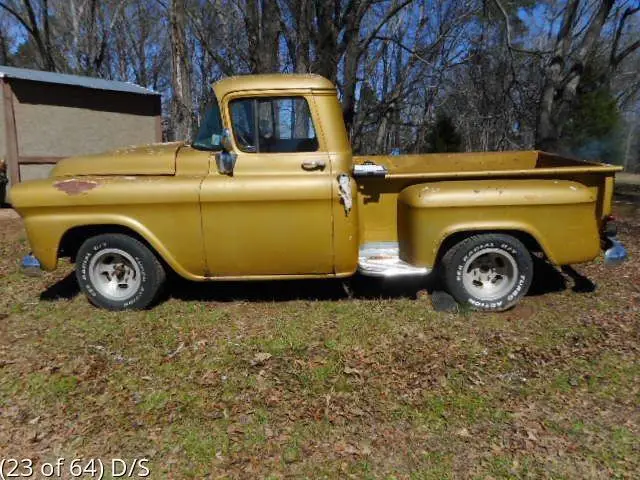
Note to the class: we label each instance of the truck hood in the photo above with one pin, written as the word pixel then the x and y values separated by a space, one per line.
pixel 153 159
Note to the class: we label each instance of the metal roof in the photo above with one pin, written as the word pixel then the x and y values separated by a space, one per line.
pixel 75 80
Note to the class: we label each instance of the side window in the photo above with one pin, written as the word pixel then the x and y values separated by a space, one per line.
pixel 210 131
pixel 283 124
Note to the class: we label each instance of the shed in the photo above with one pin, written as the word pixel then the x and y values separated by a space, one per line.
pixel 46 116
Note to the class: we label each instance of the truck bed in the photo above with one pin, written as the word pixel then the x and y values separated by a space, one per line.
pixel 378 196
pixel 482 164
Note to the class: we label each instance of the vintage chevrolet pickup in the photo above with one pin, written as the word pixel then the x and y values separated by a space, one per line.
pixel 269 189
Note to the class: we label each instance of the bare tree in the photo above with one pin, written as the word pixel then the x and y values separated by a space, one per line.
pixel 506 83
pixel 296 25
pixel 4 41
pixel 181 72
pixel 84 29
pixel 572 46
pixel 262 22
pixel 564 70
pixel 340 34
pixel 34 17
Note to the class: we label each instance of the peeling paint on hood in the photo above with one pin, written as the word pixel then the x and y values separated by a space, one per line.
pixel 73 186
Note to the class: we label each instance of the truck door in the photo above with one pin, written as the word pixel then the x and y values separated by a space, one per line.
pixel 273 216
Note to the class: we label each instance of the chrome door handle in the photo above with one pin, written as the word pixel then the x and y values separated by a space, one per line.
pixel 313 165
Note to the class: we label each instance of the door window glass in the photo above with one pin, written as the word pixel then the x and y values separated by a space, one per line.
pixel 283 124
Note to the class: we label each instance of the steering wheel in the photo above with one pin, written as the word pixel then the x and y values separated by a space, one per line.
pixel 244 138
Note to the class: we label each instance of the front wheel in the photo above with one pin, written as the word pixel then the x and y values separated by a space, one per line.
pixel 118 272
pixel 489 272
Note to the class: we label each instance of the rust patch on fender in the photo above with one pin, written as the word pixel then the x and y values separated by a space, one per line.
pixel 75 187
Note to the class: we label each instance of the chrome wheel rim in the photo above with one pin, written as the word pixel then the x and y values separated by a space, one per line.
pixel 489 274
pixel 115 274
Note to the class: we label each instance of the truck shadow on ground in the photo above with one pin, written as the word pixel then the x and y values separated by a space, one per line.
pixel 64 289
pixel 290 290
pixel 547 279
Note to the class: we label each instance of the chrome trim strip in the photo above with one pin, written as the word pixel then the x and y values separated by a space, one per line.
pixel 369 169
pixel 382 259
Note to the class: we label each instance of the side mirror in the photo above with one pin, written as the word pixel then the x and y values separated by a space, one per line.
pixel 226 159
pixel 225 140
pixel 226 162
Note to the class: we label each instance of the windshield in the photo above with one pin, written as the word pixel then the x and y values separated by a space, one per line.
pixel 210 132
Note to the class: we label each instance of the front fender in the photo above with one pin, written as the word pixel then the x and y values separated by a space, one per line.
pixel 162 210
pixel 45 233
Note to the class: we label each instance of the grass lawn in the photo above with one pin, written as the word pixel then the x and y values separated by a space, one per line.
pixel 294 380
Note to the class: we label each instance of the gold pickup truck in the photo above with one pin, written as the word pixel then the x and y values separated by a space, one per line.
pixel 269 189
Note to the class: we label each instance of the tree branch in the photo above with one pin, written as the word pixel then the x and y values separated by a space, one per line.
pixel 404 47
pixel 615 58
pixel 626 52
pixel 507 23
pixel 595 27
pixel 390 14
pixel 17 16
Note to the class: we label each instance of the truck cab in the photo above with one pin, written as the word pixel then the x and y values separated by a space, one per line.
pixel 279 210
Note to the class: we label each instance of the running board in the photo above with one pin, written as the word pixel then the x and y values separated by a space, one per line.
pixel 382 259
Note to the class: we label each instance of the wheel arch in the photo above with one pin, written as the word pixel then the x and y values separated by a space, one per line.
pixel 74 237
pixel 528 239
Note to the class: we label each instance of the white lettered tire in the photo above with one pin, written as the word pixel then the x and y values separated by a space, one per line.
pixel 118 272
pixel 489 272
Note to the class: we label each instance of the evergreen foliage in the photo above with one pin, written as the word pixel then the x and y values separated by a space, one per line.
pixel 443 136
pixel 594 128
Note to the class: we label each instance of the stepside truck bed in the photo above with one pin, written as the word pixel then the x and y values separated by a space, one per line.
pixel 379 195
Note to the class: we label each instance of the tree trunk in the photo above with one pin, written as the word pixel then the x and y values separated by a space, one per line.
pixel 181 72
pixel 563 74
pixel 262 20
pixel 350 82
pixel 4 50
pixel 326 40
pixel 302 49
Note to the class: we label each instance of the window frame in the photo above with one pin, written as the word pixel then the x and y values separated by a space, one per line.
pixel 255 99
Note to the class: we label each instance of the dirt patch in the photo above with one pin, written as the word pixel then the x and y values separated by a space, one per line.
pixel 8 214
pixel 11 226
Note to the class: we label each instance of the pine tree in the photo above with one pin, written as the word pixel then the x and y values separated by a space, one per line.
pixel 594 128
pixel 443 136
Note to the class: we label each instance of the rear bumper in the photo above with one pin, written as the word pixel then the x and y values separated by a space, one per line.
pixel 614 251
pixel 615 254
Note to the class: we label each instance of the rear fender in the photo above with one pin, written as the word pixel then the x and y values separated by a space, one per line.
pixel 560 215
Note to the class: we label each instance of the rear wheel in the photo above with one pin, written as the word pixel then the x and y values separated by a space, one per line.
pixel 118 272
pixel 489 272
